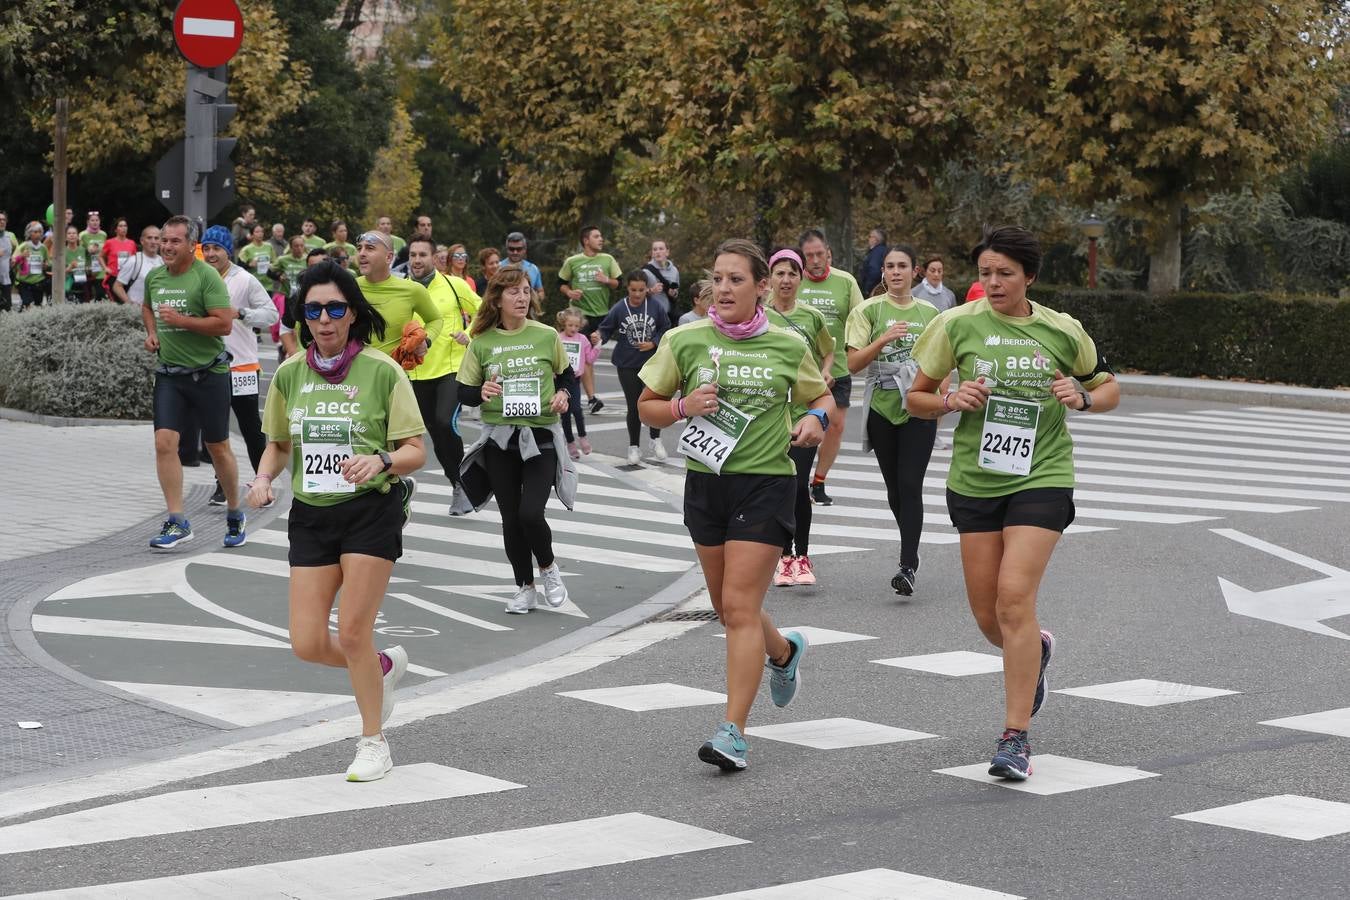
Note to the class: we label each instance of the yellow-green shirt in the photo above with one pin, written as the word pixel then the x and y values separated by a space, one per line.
pixel 397 300
pixel 457 303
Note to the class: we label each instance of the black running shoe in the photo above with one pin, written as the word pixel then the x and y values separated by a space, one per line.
pixel 902 582
pixel 1043 686
pixel 596 405
pixel 818 495
pixel 1013 757
pixel 218 498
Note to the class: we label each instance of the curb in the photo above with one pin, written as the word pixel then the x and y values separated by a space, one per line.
pixel 18 415
pixel 1242 392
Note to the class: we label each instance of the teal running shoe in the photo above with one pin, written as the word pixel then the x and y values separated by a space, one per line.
pixel 785 681
pixel 726 749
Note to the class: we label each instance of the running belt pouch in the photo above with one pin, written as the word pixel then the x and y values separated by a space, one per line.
pixel 199 371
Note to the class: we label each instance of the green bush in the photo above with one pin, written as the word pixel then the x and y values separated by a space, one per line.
pixel 85 361
pixel 1254 337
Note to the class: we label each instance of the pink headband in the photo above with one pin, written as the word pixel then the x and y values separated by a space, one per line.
pixel 786 253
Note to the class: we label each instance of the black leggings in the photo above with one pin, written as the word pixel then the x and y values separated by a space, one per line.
pixel 632 389
pixel 522 490
pixel 803 458
pixel 574 410
pixel 250 426
pixel 438 400
pixel 902 453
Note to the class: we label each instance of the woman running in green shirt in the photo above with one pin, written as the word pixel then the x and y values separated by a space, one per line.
pixel 1010 485
pixel 738 375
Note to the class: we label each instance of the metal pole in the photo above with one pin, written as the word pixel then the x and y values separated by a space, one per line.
pixel 194 184
pixel 1092 263
pixel 59 202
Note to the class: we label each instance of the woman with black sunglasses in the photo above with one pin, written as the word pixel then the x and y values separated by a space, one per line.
pixel 344 417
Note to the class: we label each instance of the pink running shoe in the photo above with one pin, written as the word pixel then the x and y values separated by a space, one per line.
pixel 804 574
pixel 572 450
pixel 585 444
pixel 783 576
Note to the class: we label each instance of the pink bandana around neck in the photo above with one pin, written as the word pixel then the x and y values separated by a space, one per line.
pixel 751 327
pixel 335 372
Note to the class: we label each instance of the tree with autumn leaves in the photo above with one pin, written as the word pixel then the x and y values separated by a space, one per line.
pixel 808 105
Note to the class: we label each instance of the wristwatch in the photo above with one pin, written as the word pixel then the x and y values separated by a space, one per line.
pixel 1087 401
pixel 820 414
pixel 387 460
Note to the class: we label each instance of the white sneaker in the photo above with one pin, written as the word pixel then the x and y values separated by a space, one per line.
pixel 634 456
pixel 659 449
pixel 372 762
pixel 555 592
pixel 526 599
pixel 399 657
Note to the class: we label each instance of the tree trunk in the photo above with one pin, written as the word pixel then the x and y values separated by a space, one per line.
pixel 1164 259
pixel 59 203
pixel 839 221
pixel 763 220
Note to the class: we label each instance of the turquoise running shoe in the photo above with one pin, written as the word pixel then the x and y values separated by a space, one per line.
pixel 726 749
pixel 785 681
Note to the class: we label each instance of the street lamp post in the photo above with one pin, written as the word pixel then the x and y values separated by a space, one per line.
pixel 1092 228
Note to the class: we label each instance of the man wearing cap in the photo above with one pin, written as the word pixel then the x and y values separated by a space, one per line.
pixel 187 314
pixel 395 298
pixel 515 255
pixel 253 308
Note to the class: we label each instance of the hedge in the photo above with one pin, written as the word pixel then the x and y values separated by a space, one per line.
pixel 1253 337
pixel 83 361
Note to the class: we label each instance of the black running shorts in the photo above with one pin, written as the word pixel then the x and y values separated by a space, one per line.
pixel 1050 508
pixel 721 508
pixel 843 386
pixel 206 395
pixel 370 524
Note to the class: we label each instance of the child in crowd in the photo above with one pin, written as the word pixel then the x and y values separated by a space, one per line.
pixel 581 355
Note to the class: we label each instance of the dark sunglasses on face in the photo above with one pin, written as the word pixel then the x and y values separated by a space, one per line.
pixel 336 310
pixel 460 255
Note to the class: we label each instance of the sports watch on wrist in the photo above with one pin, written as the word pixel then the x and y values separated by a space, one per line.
pixel 387 460
pixel 1087 401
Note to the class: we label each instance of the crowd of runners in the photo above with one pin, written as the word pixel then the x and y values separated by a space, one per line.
pixel 755 379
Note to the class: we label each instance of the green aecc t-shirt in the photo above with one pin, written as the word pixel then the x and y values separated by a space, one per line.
pixel 193 293
pixel 869 322
pixel 524 362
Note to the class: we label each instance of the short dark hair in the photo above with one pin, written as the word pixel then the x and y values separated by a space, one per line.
pixel 336 223
pixel 366 319
pixel 317 251
pixel 1014 242
pixel 310 221
pixel 902 248
pixel 934 258
pixel 635 275
pixel 418 239
pixel 813 234
pixel 586 231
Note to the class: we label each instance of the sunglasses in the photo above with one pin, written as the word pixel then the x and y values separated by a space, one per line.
pixel 373 237
pixel 460 256
pixel 336 310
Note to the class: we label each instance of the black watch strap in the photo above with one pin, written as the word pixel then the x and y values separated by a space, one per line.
pixel 387 460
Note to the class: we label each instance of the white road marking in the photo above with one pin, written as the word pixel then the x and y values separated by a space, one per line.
pixel 1145 692
pixel 446 562
pixel 242 804
pixel 870 884
pixel 450 613
pixel 240 706
pixel 605 556
pixel 1053 774
pixel 1286 815
pixel 647 697
pixel 153 631
pixel 1331 721
pixel 502 594
pixel 432 866
pixel 836 734
pixel 956 663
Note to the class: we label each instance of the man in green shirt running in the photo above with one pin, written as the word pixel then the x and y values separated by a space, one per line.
pixel 396 299
pixel 309 231
pixel 834 293
pixel 187 314
pixel 586 279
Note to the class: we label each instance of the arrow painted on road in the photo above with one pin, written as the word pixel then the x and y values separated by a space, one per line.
pixel 1303 606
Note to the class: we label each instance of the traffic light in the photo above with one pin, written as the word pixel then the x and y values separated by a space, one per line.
pixel 208 171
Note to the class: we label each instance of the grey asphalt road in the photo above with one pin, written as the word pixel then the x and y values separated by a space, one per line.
pixel 1193 504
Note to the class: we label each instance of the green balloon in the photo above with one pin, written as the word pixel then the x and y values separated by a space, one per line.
pixel 51 214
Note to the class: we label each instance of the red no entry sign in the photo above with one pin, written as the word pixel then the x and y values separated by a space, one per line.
pixel 208 32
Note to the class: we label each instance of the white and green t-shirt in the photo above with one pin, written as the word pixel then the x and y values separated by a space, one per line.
pixel 194 293
pixel 580 272
pixel 92 242
pixel 1022 426
pixel 834 296
pixel 524 362
pixel 289 267
pixel 809 324
pixel 756 379
pixel 869 322
pixel 370 410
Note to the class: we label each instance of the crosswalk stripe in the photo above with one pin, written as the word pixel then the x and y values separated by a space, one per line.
pixel 431 866
pixel 1278 457
pixel 153 631
pixel 449 613
pixel 242 804
pixel 870 884
pixel 1188 472
pixel 253 564
pixel 238 706
pixel 592 490
pixel 1127 428
pixel 1212 487
pixel 1309 414
pixel 1340 424
pixel 1081 512
pixel 565 524
pixel 1227 424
